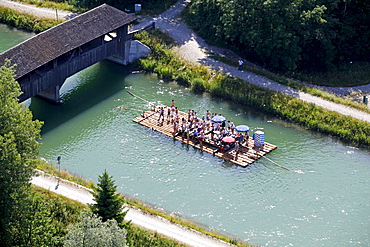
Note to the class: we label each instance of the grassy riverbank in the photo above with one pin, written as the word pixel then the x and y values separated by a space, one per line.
pixel 64 211
pixel 137 233
pixel 169 66
pixel 66 6
pixel 302 86
pixel 26 21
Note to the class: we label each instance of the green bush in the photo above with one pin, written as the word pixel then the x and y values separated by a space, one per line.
pixel 137 237
pixel 183 80
pixel 197 85
pixel 147 65
pixel 164 73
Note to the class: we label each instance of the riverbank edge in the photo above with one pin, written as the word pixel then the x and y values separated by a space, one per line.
pixel 357 132
pixel 43 167
pixel 170 67
pixel 25 21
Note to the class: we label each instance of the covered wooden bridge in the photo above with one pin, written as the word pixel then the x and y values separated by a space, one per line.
pixel 45 61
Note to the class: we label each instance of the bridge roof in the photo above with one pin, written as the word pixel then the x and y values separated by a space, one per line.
pixel 52 43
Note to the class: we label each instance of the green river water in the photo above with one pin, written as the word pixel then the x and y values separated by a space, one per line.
pixel 323 201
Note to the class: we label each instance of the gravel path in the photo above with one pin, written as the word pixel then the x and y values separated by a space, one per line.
pixel 33 10
pixel 150 222
pixel 194 49
pixel 79 193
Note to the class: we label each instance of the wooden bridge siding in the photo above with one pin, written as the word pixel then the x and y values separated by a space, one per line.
pixel 57 76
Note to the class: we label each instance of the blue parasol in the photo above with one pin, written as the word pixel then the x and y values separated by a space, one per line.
pixel 242 128
pixel 218 119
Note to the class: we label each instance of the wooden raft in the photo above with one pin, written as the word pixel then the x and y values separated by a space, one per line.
pixel 245 157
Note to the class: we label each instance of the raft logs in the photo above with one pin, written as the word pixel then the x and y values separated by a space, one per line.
pixel 245 155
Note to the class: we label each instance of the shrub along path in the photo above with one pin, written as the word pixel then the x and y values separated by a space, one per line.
pixel 194 49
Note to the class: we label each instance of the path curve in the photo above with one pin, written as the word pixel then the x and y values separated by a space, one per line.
pixel 194 49
pixel 153 223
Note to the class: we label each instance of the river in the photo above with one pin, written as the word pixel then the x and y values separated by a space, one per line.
pixel 323 201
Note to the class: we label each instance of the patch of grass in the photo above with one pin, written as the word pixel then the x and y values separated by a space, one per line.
pixel 220 85
pixel 345 75
pixel 26 21
pixel 298 85
pixel 64 174
pixel 54 5
pixel 135 203
pixel 137 237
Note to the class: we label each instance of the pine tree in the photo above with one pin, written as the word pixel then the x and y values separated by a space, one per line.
pixel 109 204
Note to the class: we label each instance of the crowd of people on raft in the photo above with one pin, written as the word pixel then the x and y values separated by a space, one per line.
pixel 202 129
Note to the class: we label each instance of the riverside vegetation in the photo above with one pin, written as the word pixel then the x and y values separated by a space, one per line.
pixel 169 67
pixel 138 234
pixel 26 21
pixel 31 216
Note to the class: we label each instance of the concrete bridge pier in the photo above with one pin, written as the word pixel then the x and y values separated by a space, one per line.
pixel 51 94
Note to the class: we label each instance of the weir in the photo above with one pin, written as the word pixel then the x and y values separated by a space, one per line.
pixel 46 60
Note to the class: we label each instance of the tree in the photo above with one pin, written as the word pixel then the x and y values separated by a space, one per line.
pixel 35 227
pixel 92 231
pixel 287 35
pixel 19 145
pixel 109 204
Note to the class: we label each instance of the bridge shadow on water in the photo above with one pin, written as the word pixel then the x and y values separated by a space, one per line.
pixel 80 93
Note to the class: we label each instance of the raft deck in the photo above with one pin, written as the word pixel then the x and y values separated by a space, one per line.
pixel 246 156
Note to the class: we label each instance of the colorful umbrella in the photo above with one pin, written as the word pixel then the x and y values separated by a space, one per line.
pixel 228 139
pixel 242 128
pixel 218 119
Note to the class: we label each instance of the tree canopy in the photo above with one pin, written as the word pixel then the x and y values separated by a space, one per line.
pixel 92 231
pixel 19 135
pixel 286 35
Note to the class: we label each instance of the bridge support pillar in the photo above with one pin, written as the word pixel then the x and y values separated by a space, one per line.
pixel 51 94
pixel 134 50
